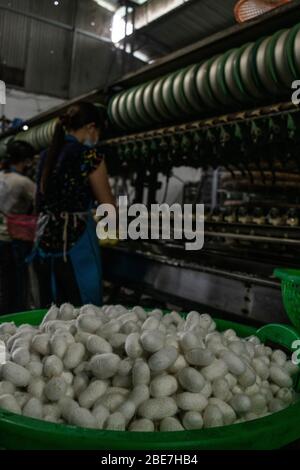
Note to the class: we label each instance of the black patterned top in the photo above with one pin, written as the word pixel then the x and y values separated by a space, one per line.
pixel 68 196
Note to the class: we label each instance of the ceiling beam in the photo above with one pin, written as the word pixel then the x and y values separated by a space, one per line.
pixel 235 36
pixel 161 19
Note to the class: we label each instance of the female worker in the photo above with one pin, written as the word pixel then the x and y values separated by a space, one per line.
pixel 17 194
pixel 72 176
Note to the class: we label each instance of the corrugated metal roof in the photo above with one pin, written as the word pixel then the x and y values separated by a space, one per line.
pixel 90 17
pixel 22 5
pixel 49 59
pixel 97 64
pixel 63 12
pixel 13 56
pixel 44 51
pixel 36 47
pixel 194 20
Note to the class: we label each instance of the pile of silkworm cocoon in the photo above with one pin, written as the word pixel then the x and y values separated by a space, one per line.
pixel 130 370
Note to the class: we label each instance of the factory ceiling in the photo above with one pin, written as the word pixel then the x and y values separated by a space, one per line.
pixel 164 26
pixel 65 47
pixel 59 48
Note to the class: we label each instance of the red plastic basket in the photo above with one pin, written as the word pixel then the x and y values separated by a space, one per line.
pixel 22 227
pixel 246 10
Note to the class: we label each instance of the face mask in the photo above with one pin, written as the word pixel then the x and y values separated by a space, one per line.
pixel 89 143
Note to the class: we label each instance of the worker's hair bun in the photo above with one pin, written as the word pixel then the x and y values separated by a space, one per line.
pixel 81 114
pixel 64 121
pixel 69 118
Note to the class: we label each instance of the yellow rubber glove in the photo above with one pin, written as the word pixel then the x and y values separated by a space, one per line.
pixel 111 240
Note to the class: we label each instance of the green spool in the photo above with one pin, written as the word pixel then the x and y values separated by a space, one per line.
pixel 50 130
pixel 214 82
pixel 281 60
pixel 131 109
pixel 114 111
pixel 290 46
pixel 296 52
pixel 264 67
pixel 232 78
pixel 271 58
pixel 227 97
pixel 190 89
pixel 123 110
pixel 158 100
pixel 42 139
pixel 139 105
pixel 178 92
pixel 270 51
pixel 32 137
pixel 203 85
pixel 244 69
pixel 168 97
pixel 47 133
pixel 39 137
pixel 148 101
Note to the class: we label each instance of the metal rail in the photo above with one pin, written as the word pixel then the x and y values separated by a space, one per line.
pixel 213 122
pixel 257 238
pixel 198 267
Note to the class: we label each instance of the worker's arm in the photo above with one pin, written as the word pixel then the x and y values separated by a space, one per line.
pixel 103 194
pixel 100 185
pixel 29 192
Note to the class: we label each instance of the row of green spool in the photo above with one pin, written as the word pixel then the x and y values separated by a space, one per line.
pixel 254 72
pixel 39 137
pixel 237 78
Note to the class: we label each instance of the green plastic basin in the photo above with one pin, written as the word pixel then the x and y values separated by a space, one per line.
pixel 271 432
